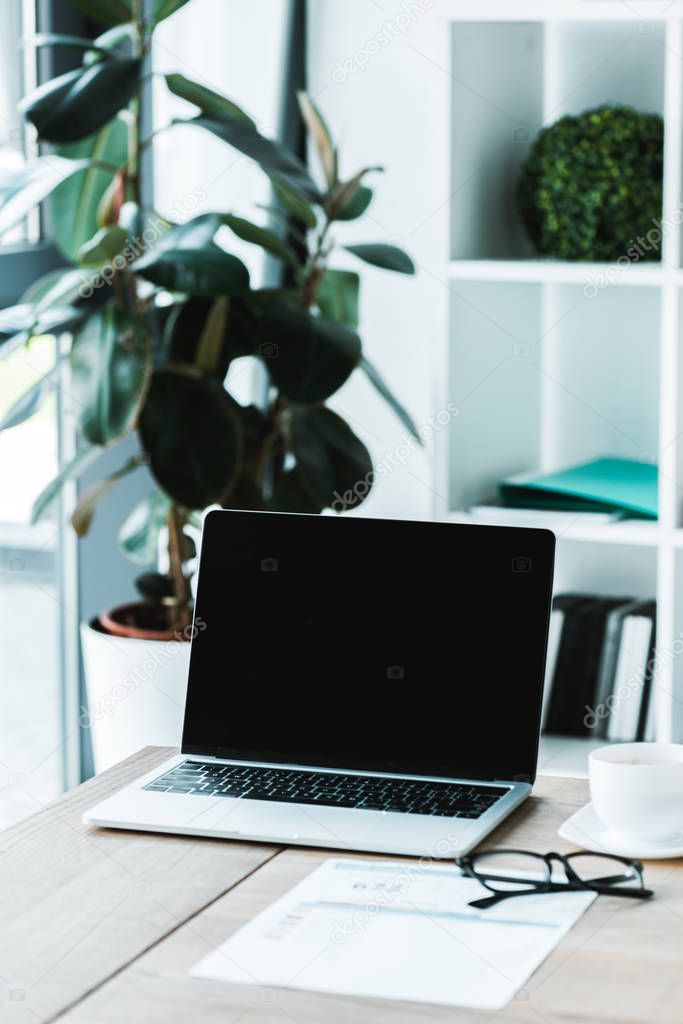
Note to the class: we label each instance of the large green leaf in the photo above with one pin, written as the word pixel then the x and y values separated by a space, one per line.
pixel 333 467
pixel 23 189
pixel 321 136
pixel 104 245
pixel 186 259
pixel 74 205
pixel 119 39
pixel 110 360
pixel 14 319
pixel 67 287
pixel 388 257
pixel 59 39
pixel 82 515
pixel 210 345
pixel 165 8
pixel 110 12
pixel 36 318
pixel 257 428
pixel 18 324
pixel 139 535
pixel 277 162
pixel 357 205
pixel 189 428
pixel 188 322
pixel 209 102
pixel 77 104
pixel 262 237
pixel 383 389
pixel 30 402
pixel 70 471
pixel 299 207
pixel 338 296
pixel 308 357
pixel 314 355
pixel 349 199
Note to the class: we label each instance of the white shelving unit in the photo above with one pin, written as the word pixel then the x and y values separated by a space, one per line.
pixel 541 373
pixel 554 362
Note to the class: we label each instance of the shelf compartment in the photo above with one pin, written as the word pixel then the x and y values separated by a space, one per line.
pixel 544 378
pixel 566 756
pixel 510 79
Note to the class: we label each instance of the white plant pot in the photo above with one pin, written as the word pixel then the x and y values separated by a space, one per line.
pixel 136 693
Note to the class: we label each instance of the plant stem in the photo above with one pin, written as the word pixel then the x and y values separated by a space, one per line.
pixel 316 268
pixel 177 555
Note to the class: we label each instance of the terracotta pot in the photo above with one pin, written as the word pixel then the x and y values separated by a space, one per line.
pixel 140 621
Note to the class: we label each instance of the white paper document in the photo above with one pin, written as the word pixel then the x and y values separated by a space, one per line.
pixel 396 931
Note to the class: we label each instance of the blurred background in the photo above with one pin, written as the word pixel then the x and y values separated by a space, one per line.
pixel 536 334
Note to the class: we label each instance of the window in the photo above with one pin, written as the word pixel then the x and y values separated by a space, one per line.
pixel 32 613
pixel 17 76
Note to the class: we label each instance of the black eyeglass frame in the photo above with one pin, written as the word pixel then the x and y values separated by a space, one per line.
pixel 609 885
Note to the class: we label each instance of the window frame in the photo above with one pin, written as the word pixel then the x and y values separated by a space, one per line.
pixel 20 265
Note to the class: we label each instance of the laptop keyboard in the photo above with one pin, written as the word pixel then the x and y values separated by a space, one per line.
pixel 368 793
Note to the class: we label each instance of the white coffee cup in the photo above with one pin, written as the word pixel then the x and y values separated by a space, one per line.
pixel 637 788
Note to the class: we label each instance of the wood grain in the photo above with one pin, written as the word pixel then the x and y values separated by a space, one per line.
pixel 78 904
pixel 621 964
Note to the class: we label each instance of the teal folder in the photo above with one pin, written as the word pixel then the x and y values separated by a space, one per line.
pixel 604 485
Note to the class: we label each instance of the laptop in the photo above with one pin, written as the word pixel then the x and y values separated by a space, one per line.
pixel 360 684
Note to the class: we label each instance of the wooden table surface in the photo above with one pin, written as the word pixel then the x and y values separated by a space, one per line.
pixel 104 926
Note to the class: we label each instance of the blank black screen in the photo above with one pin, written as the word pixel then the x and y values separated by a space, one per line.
pixel 367 643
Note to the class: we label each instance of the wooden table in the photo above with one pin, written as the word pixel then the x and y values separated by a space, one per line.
pixel 100 926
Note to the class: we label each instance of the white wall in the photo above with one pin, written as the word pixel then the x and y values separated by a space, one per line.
pixel 237 49
pixel 383 99
pixel 390 113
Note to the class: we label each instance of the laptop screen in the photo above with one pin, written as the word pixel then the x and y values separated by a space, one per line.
pixel 366 643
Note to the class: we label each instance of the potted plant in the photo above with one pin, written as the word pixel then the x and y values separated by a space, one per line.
pixel 591 186
pixel 157 311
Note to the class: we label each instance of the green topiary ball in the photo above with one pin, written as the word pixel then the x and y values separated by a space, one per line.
pixel 592 184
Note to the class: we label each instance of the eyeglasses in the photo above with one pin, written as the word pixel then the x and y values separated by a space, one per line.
pixel 508 873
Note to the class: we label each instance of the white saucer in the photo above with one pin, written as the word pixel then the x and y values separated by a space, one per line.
pixel 585 829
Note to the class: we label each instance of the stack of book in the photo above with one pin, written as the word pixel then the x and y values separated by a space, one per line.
pixel 601 659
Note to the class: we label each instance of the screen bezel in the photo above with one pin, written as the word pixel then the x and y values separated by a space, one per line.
pixel 220 526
